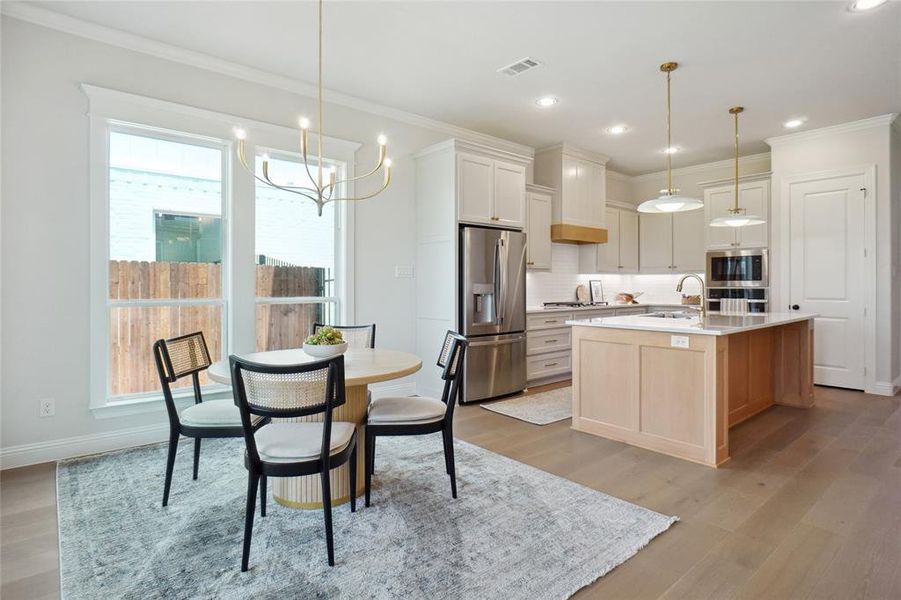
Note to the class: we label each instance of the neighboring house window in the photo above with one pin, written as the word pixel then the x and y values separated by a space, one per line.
pixel 188 238
pixel 165 252
pixel 295 248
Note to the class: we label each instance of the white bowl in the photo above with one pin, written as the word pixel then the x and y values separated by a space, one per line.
pixel 323 351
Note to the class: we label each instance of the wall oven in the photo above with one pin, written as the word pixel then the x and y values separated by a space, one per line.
pixel 745 268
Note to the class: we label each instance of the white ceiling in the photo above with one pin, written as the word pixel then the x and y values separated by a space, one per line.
pixel 815 60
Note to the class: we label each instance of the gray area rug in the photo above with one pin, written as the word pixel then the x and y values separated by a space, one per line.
pixel 514 531
pixel 540 409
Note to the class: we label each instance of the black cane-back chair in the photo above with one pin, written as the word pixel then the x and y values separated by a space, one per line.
pixel 293 449
pixel 419 416
pixel 187 356
pixel 356 336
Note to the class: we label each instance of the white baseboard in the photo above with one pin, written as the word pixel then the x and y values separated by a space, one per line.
pixel 82 445
pixel 884 388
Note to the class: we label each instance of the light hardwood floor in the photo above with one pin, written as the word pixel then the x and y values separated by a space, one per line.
pixel 808 507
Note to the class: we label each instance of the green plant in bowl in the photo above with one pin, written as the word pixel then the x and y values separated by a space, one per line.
pixel 327 336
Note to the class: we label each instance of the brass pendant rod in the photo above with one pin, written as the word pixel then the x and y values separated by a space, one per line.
pixel 319 133
pixel 734 111
pixel 669 136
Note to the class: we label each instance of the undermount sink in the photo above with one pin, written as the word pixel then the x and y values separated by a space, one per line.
pixel 670 315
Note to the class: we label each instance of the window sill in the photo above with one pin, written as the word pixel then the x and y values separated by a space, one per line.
pixel 154 404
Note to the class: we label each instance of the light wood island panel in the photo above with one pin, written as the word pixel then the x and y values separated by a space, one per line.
pixel 634 386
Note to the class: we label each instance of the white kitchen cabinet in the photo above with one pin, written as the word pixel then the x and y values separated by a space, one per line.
pixel 620 253
pixel 490 191
pixel 474 186
pixel 628 241
pixel 538 229
pixel 509 194
pixel 672 243
pixel 655 243
pixel 754 197
pixel 689 253
pixel 579 179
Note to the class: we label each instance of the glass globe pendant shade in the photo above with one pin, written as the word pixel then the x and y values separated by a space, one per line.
pixel 670 203
pixel 737 220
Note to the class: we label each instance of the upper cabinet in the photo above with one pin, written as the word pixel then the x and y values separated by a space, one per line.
pixel 490 190
pixel 672 243
pixel 579 180
pixel 754 196
pixel 538 227
pixel 620 253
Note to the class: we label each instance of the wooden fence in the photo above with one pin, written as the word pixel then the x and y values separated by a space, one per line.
pixel 133 329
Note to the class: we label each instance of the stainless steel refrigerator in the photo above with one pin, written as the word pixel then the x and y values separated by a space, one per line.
pixel 493 311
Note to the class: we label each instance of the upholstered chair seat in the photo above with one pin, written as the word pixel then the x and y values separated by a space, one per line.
pixel 392 409
pixel 212 413
pixel 287 442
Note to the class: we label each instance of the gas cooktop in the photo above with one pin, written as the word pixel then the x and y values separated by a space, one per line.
pixel 572 304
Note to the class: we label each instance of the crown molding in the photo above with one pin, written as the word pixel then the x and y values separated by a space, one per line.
pixel 106 35
pixel 744 160
pixel 463 145
pixel 572 150
pixel 731 180
pixel 861 125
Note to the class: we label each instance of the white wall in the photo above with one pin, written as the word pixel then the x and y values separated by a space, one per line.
pixel 851 145
pixel 45 220
pixel 687 179
pixel 895 152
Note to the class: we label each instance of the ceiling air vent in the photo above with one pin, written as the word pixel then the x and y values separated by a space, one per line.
pixel 519 67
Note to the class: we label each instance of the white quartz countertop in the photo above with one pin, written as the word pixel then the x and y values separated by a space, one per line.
pixel 715 324
pixel 540 309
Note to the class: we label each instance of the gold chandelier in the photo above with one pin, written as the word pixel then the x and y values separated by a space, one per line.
pixel 321 192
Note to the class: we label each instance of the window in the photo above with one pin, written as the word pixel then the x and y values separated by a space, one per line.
pixel 295 258
pixel 165 251
pixel 183 240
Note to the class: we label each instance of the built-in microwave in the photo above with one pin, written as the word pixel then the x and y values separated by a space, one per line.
pixel 737 268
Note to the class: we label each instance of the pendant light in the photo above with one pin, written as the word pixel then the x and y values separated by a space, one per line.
pixel 669 200
pixel 737 217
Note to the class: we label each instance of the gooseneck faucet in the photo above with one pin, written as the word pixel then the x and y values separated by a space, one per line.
pixel 701 311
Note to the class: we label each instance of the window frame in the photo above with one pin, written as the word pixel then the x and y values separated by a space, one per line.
pixel 112 108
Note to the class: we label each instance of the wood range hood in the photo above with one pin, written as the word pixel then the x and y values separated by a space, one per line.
pixel 578 234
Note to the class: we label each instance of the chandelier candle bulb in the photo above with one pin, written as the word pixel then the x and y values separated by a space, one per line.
pixel 317 190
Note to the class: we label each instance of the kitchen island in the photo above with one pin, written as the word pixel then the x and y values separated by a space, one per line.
pixel 665 382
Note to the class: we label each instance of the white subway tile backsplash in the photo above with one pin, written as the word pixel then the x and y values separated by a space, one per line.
pixel 560 282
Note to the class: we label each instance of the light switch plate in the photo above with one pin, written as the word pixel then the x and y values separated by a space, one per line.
pixel 403 271
pixel 678 341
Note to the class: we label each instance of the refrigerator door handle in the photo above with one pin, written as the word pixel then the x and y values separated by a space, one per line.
pixel 496 275
pixel 502 279
pixel 498 343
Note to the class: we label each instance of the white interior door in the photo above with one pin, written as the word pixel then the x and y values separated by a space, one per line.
pixel 826 273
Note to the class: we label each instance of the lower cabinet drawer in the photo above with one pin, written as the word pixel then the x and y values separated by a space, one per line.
pixel 545 340
pixel 545 365
pixel 547 320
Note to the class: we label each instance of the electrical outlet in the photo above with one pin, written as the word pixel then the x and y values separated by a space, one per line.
pixel 48 407
pixel 678 341
pixel 403 271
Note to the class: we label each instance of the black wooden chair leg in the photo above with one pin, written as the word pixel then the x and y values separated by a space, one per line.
pixel 352 475
pixel 170 464
pixel 262 495
pixel 253 481
pixel 369 454
pixel 449 455
pixel 196 456
pixel 327 514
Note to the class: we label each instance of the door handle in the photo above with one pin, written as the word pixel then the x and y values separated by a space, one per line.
pixel 516 340
pixel 795 307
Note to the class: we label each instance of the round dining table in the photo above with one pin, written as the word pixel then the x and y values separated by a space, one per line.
pixel 362 366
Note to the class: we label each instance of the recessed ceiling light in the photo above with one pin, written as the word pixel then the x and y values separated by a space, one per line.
pixel 862 5
pixel 793 123
pixel 617 129
pixel 546 101
pixel 671 150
